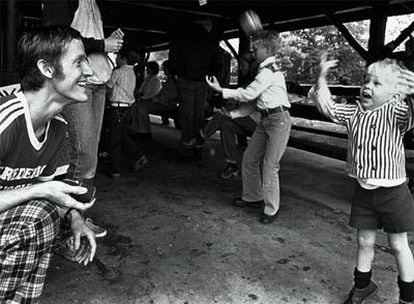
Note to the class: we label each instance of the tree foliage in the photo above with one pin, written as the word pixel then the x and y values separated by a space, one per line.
pixel 304 47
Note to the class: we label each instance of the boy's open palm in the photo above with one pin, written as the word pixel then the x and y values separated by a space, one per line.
pixel 406 82
pixel 325 64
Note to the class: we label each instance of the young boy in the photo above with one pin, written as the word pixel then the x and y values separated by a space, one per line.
pixel 270 138
pixel 121 96
pixel 376 125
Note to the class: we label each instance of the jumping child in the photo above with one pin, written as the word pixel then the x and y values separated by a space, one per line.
pixel 376 161
pixel 260 164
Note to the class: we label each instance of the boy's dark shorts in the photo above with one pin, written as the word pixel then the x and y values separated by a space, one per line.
pixel 390 209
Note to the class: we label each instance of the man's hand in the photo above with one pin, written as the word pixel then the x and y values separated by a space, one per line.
pixel 84 239
pixel 60 193
pixel 114 42
pixel 214 84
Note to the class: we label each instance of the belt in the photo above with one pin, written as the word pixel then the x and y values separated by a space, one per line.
pixel 120 104
pixel 267 112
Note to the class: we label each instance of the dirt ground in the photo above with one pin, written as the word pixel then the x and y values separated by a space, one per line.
pixel 174 237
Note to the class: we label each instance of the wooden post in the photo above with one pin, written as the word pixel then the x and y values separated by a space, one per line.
pixel 377 31
pixel 11 36
pixel 8 42
pixel 244 45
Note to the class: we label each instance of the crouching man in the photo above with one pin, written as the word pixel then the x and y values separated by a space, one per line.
pixel 33 207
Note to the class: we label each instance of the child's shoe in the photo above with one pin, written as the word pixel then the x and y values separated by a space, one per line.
pixel 230 171
pixel 358 296
pixel 404 302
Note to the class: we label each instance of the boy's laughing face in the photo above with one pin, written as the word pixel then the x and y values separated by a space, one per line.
pixel 380 84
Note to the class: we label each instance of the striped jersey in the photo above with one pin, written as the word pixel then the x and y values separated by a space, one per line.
pixel 375 138
pixel 25 159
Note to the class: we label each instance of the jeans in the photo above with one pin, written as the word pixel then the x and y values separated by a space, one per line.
pixel 228 129
pixel 142 109
pixel 84 125
pixel 260 164
pixel 193 98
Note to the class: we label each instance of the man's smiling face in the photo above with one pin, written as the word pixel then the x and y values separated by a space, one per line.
pixel 69 81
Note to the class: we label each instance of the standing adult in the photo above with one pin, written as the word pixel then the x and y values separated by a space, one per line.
pixel 53 69
pixel 84 119
pixel 192 58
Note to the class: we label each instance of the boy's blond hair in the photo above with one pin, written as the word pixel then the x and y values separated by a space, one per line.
pixel 268 39
pixel 387 66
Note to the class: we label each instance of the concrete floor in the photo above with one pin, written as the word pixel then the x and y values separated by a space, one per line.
pixel 174 237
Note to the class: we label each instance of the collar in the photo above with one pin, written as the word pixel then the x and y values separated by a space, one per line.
pixel 268 60
pixel 126 66
pixel 392 100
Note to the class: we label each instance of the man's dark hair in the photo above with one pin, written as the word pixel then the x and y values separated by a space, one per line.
pixel 153 67
pixel 49 44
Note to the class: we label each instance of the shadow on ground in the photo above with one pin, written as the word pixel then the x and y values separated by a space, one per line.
pixel 175 238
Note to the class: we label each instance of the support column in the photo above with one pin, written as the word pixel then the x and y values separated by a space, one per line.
pixel 377 31
pixel 8 70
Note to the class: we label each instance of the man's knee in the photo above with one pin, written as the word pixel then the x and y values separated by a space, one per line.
pixel 42 220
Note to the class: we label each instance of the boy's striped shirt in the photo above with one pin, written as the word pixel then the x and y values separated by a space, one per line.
pixel 375 145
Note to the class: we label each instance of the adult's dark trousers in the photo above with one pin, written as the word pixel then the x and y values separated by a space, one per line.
pixel 193 97
pixel 119 138
pixel 229 128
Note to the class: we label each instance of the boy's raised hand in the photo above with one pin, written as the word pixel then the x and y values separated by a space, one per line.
pixel 406 81
pixel 214 84
pixel 325 64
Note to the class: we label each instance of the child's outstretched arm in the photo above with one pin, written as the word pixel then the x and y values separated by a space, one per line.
pixel 406 85
pixel 406 82
pixel 321 94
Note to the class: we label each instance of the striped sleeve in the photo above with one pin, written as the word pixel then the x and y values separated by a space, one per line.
pixel 404 112
pixel 344 112
pixel 10 109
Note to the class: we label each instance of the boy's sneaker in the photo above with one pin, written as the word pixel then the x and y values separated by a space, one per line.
pixel 99 231
pixel 358 296
pixel 230 171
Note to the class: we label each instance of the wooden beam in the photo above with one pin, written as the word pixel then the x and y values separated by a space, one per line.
pixel 233 51
pixel 169 8
pixel 377 31
pixel 132 29
pixel 397 41
pixel 11 45
pixel 348 36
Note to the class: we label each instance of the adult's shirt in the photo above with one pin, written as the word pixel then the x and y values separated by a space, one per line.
pixel 24 158
pixel 195 56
